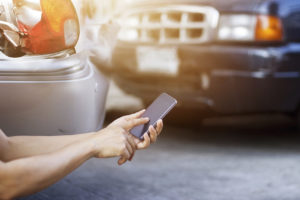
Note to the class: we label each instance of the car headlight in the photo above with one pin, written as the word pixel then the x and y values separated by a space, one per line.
pixel 47 26
pixel 242 27
pixel 132 21
pixel 129 28
pixel 128 34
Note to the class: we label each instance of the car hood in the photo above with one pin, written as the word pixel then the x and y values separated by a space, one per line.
pixel 249 6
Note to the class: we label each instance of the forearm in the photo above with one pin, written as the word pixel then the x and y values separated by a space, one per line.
pixel 29 175
pixel 28 146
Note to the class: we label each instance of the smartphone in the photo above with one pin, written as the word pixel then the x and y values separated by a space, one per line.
pixel 156 111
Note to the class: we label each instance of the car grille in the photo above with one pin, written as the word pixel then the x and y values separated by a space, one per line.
pixel 172 24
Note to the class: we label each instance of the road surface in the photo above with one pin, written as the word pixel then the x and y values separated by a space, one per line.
pixel 240 158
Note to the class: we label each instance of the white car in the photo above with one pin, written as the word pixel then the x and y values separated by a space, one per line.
pixel 46 87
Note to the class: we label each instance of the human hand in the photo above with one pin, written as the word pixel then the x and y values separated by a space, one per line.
pixel 149 137
pixel 115 140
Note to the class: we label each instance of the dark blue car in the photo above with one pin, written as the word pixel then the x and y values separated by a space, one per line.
pixel 231 57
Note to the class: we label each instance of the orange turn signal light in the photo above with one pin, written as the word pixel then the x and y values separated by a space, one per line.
pixel 268 28
pixel 57 30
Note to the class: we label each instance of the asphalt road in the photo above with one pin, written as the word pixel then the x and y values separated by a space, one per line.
pixel 241 158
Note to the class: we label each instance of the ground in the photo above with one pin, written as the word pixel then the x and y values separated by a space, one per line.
pixel 232 158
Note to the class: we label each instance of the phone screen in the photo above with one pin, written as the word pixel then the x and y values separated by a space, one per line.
pixel 156 111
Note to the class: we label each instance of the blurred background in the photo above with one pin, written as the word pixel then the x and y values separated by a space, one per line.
pixel 234 68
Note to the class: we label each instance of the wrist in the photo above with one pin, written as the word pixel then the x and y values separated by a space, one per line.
pixel 93 144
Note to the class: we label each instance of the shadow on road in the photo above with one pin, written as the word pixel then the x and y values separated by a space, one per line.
pixel 260 132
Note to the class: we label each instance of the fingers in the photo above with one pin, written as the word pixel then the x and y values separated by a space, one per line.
pixel 125 156
pixel 135 115
pixel 136 122
pixel 127 122
pixel 131 142
pixel 153 134
pixel 121 161
pixel 144 144
pixel 130 159
pixel 130 150
pixel 159 126
pixel 151 137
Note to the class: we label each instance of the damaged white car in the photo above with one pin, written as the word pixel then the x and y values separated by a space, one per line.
pixel 46 87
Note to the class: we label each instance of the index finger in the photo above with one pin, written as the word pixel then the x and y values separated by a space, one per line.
pixel 136 122
pixel 135 115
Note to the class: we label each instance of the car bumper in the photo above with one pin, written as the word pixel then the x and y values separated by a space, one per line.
pixel 51 96
pixel 226 78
